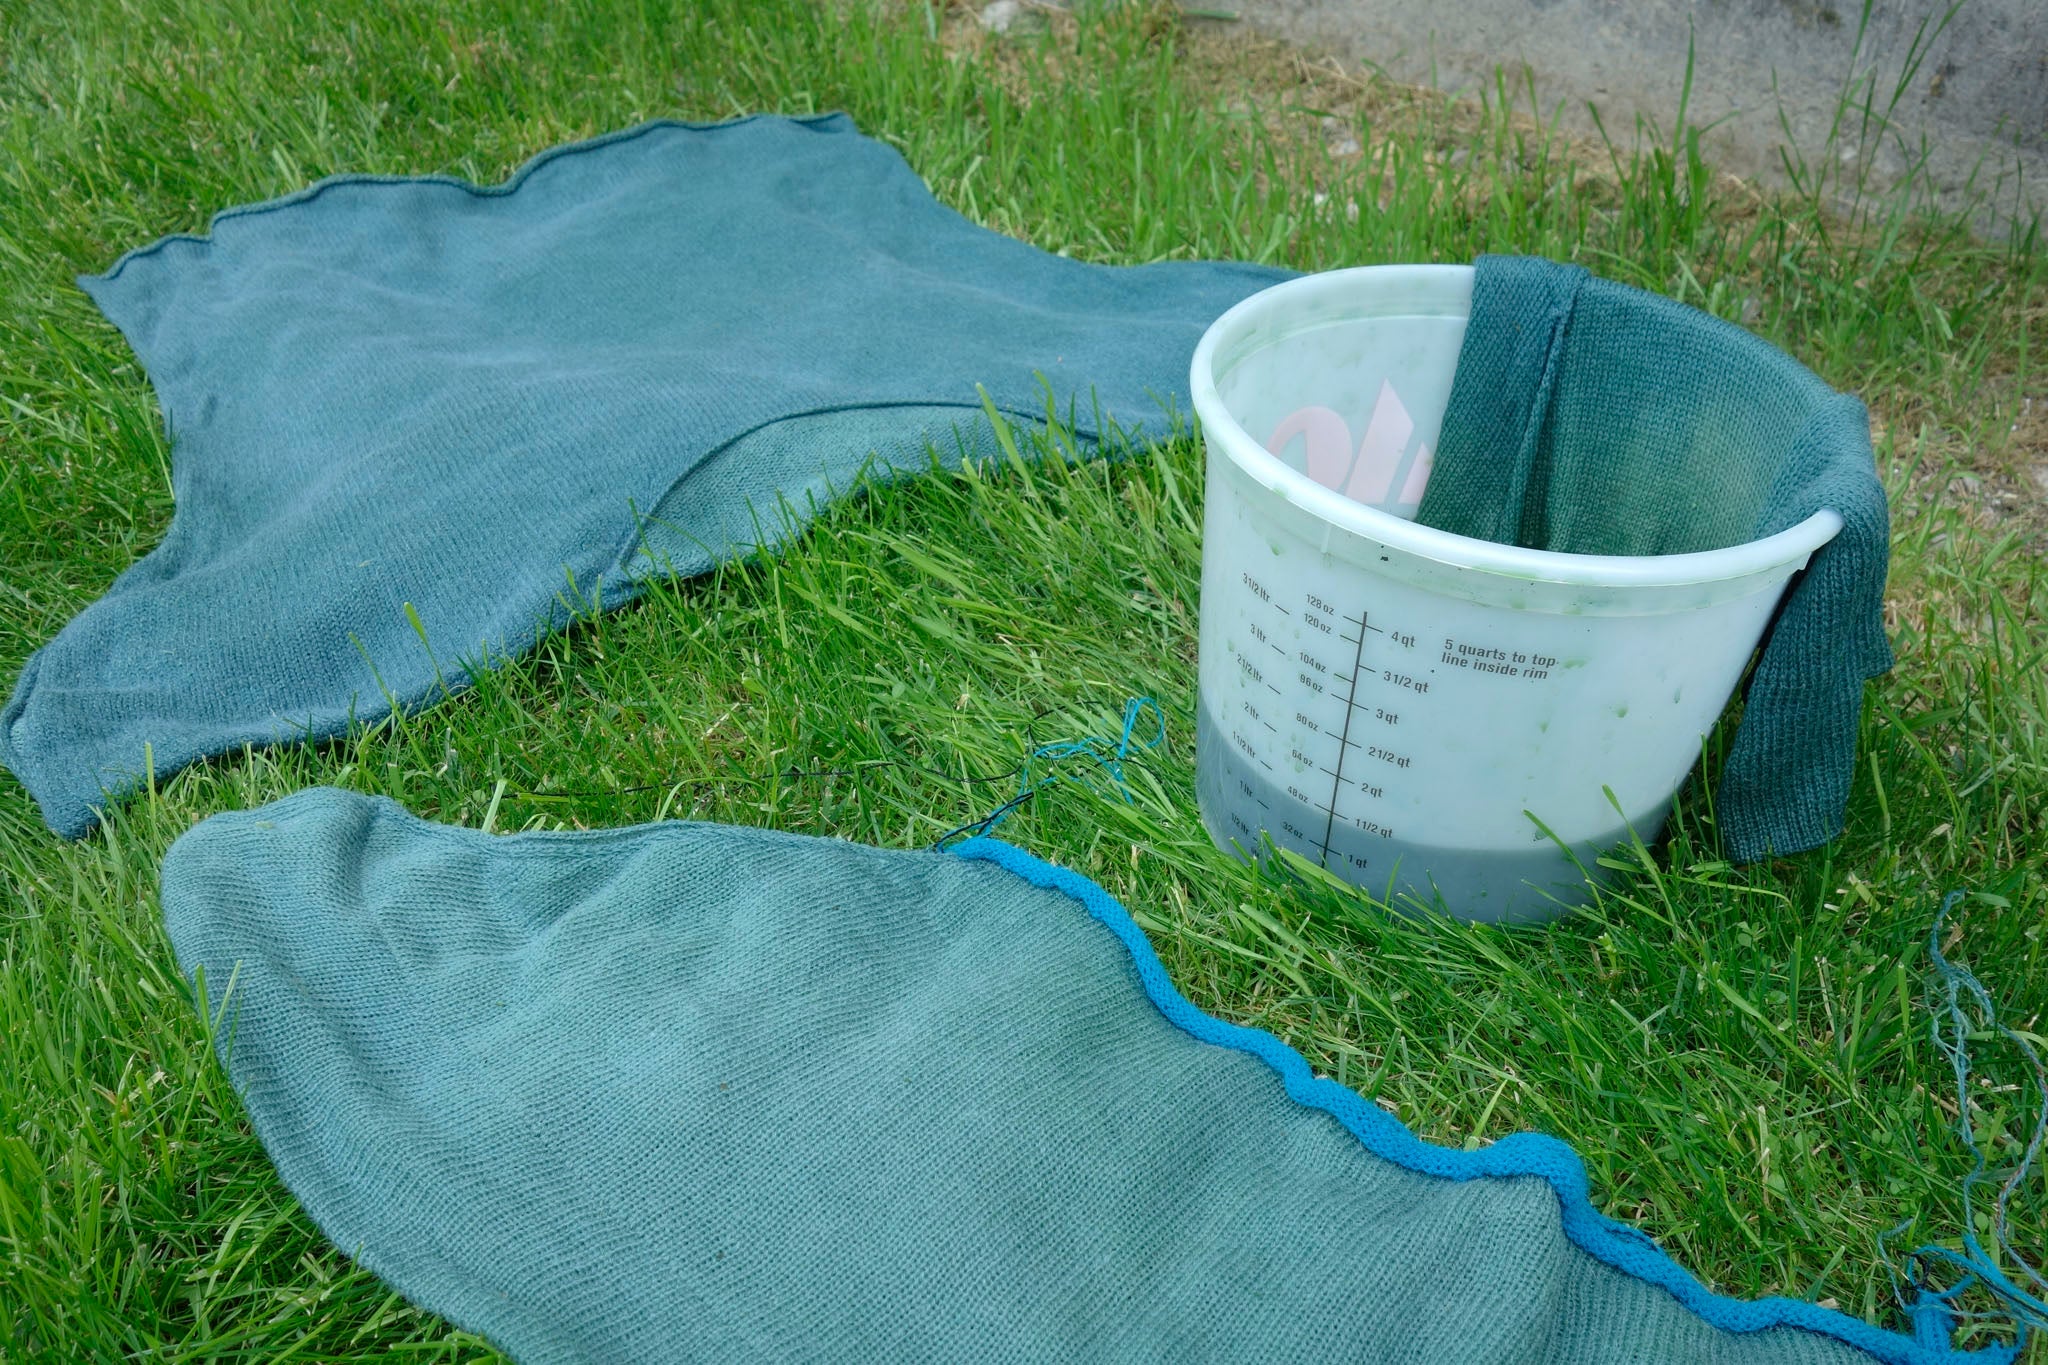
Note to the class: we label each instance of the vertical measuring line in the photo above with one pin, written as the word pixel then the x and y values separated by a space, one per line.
pixel 1344 740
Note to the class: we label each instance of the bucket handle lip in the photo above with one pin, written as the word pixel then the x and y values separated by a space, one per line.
pixel 1447 286
pixel 1787 550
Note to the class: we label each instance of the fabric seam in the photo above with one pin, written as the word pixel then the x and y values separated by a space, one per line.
pixel 504 187
pixel 630 546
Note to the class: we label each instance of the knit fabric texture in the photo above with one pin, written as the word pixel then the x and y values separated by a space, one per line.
pixel 1592 418
pixel 486 408
pixel 695 1092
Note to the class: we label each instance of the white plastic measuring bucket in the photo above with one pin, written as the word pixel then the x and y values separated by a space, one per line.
pixel 1396 703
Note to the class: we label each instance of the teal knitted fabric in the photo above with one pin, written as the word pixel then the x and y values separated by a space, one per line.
pixel 692 1092
pixel 1593 418
pixel 399 397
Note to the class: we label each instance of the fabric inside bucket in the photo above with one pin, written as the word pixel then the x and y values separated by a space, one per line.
pixel 1588 417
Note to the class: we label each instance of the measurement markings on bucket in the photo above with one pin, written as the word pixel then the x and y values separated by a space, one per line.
pixel 1261 636
pixel 1364 623
pixel 1251 671
pixel 1251 750
pixel 1253 712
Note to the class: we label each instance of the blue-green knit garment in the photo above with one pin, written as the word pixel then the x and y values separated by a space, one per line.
pixel 693 1092
pixel 1593 418
pixel 388 391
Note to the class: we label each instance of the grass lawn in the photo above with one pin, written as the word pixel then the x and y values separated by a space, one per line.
pixel 1741 1054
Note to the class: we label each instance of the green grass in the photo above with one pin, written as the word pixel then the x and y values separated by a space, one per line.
pixel 1740 1054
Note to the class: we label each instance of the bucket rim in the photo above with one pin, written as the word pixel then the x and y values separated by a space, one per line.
pixel 1786 550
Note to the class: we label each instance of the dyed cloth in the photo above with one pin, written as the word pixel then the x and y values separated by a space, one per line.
pixel 1592 418
pixel 398 398
pixel 417 424
pixel 695 1092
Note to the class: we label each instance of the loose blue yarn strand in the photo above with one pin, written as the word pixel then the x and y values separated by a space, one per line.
pixel 1107 758
pixel 2025 1304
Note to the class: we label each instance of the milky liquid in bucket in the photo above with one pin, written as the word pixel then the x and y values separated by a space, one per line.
pixel 1433 718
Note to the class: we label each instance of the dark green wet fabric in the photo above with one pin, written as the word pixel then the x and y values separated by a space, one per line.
pixel 1593 418
pixel 397 399
pixel 691 1092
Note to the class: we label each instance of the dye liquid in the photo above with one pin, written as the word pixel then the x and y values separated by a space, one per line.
pixel 1242 805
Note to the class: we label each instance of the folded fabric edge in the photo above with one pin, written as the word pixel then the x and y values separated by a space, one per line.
pixel 1616 1244
pixel 11 711
pixel 71 816
pixel 506 186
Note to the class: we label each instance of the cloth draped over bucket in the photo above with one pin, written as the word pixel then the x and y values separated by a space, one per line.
pixel 392 399
pixel 697 1092
pixel 1591 418
pixel 417 424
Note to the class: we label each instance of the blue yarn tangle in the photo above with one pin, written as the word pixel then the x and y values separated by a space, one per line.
pixel 2000 1272
pixel 1104 757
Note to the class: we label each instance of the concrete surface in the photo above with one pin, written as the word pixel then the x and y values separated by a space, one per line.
pixel 1976 98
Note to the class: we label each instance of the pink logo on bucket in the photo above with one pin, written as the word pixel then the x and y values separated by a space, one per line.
pixel 1369 475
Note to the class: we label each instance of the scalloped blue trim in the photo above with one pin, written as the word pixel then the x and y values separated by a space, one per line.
pixel 1521 1154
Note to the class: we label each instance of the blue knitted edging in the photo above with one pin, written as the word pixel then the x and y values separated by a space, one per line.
pixel 1521 1154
